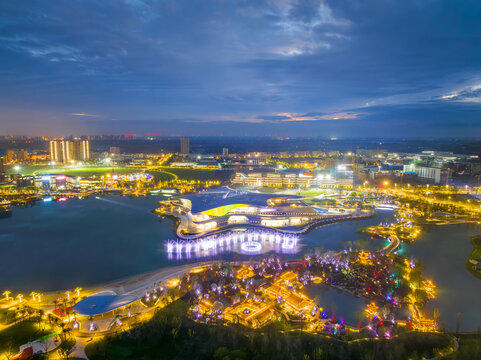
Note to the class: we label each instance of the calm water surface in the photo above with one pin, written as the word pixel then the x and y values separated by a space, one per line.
pixel 60 245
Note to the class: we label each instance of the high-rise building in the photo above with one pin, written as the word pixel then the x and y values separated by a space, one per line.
pixel 65 151
pixel 3 155
pixel 16 155
pixel 225 152
pixel 184 146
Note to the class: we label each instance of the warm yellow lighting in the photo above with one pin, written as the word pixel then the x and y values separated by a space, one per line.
pixel 173 282
pixel 197 270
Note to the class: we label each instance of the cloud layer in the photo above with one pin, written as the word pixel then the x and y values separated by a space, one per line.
pixel 309 67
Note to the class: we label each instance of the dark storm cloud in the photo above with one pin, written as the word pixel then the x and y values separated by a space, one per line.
pixel 331 68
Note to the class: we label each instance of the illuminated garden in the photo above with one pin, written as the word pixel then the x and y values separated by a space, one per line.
pixel 266 279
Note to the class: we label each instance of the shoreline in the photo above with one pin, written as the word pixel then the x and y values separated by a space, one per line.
pixel 135 283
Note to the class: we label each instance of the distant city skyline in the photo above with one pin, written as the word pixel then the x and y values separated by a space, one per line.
pixel 316 68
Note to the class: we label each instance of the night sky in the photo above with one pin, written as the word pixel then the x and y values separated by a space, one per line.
pixel 281 68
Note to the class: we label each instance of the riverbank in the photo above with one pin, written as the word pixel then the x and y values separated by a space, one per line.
pixel 473 263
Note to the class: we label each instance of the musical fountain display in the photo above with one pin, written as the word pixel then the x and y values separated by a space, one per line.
pixel 246 242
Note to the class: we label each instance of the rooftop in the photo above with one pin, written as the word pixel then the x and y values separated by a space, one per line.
pixel 223 196
pixel 100 304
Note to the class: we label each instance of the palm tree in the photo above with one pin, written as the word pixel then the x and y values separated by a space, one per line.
pixel 68 294
pixel 19 297
pixel 67 311
pixel 6 293
pixel 32 294
pixel 77 290
pixel 39 296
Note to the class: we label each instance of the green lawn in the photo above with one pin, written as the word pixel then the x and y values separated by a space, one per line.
pixel 6 316
pixel 312 192
pixel 12 337
pixel 160 174
pixel 83 171
pixel 86 172
pixel 193 174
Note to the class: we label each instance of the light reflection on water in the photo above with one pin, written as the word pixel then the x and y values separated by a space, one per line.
pixel 86 242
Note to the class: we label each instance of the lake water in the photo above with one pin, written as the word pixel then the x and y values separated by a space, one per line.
pixel 60 245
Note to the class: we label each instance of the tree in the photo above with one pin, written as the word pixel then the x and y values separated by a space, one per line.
pixel 459 317
pixel 317 354
pixel 19 297
pixel 65 348
pixel 436 315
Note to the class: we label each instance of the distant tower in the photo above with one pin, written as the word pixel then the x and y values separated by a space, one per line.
pixel 184 146
pixel 225 152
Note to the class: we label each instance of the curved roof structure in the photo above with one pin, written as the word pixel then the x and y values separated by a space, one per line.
pixel 100 304
pixel 224 197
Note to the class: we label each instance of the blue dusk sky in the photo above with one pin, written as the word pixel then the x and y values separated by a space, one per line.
pixel 327 68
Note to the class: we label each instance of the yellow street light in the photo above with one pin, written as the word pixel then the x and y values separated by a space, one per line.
pixel 19 297
pixel 77 290
pixel 32 294
pixel 6 293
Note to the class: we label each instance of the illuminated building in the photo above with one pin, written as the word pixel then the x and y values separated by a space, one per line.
pixel 244 272
pixel 434 174
pixel 66 151
pixel 224 208
pixel 364 258
pixel 291 180
pixel 54 182
pixel 225 152
pixel 95 307
pixel 184 146
pixel 2 164
pixel 250 313
pixel 371 310
pixel 16 155
pixel 296 300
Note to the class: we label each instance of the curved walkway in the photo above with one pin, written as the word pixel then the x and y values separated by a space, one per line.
pixel 393 245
